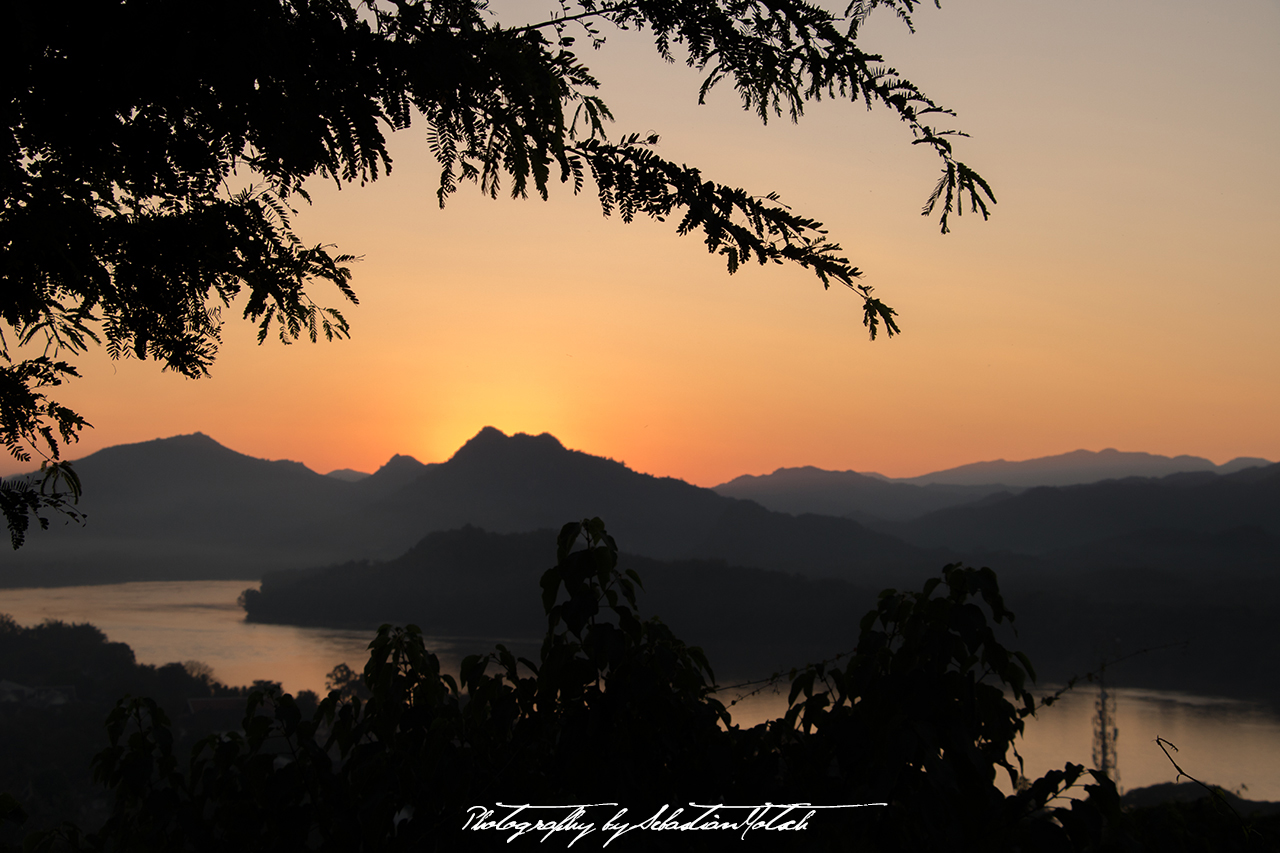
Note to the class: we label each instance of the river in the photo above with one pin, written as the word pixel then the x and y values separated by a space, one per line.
pixel 1227 742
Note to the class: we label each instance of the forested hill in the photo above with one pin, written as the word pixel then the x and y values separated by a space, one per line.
pixel 1238 511
pixel 852 495
pixel 508 484
pixel 187 507
pixel 473 583
pixel 477 584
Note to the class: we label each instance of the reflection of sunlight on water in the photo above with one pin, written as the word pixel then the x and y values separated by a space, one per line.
pixel 1221 741
pixel 199 620
pixel 196 620
pixel 750 710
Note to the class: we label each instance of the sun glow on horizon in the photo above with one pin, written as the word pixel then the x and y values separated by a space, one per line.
pixel 1124 293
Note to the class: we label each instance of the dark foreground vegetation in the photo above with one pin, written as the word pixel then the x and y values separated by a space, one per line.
pixel 918 724
pixel 60 681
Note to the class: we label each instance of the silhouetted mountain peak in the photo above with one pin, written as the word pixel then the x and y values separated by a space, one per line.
pixel 488 434
pixel 195 448
pixel 491 444
pixel 399 462
pixel 195 459
pixel 196 438
pixel 1066 469
pixel 1241 463
pixel 398 471
pixel 190 441
pixel 847 493
pixel 799 475
pixel 348 475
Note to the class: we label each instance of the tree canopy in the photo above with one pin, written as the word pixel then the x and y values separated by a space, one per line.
pixel 154 148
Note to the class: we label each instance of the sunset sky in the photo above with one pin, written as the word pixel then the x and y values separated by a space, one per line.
pixel 1124 293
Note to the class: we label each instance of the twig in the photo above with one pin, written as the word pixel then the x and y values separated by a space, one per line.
pixel 590 13
pixel 1214 792
pixel 778 676
pixel 1089 676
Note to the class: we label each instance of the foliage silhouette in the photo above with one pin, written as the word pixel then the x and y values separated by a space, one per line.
pixel 922 717
pixel 47 738
pixel 120 224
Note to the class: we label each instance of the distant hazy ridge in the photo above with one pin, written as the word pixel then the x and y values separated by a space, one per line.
pixel 874 496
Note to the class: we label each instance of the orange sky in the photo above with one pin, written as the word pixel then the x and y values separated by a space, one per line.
pixel 1124 293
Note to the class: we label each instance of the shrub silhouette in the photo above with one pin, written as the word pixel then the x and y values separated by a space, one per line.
pixel 921 718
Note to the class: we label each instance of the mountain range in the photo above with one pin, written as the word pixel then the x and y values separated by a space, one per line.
pixel 874 497
pixel 1190 556
pixel 187 507
pixel 1077 468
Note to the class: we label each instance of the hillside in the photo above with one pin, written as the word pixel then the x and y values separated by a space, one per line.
pixel 188 508
pixel 1045 520
pixel 184 507
pixel 1205 637
pixel 850 494
pixel 470 582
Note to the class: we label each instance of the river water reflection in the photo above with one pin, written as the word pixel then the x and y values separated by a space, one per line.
pixel 1229 743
